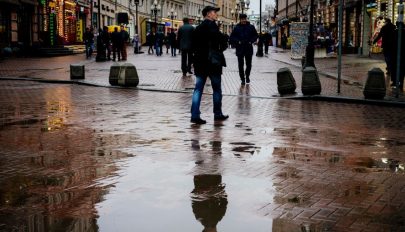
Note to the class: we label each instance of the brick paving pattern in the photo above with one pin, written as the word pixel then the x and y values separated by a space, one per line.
pixel 88 158
pixel 163 73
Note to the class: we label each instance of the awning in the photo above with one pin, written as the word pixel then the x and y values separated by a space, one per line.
pixel 13 2
pixel 31 2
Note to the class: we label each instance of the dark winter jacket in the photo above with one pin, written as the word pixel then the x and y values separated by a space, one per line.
pixel 172 39
pixel 242 38
pixel 205 37
pixel 387 34
pixel 116 38
pixel 150 39
pixel 184 36
pixel 88 37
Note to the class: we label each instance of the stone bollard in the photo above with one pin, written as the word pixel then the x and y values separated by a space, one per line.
pixel 311 85
pixel 76 71
pixel 128 76
pixel 285 81
pixel 114 73
pixel 375 84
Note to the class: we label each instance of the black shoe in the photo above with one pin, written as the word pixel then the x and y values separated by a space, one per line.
pixel 184 74
pixel 221 117
pixel 189 72
pixel 247 80
pixel 198 121
pixel 242 83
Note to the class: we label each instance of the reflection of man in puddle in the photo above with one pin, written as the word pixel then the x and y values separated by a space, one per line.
pixel 209 200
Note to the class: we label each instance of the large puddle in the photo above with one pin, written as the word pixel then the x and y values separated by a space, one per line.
pixel 116 165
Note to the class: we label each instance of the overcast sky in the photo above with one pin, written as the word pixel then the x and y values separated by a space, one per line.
pixel 255 4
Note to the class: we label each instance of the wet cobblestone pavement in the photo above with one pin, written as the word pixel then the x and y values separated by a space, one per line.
pixel 163 73
pixel 79 158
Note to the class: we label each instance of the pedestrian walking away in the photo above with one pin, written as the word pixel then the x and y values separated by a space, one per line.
pixel 387 33
pixel 242 38
pixel 116 44
pixel 89 42
pixel 135 44
pixel 185 38
pixel 173 42
pixel 101 47
pixel 159 39
pixel 208 44
pixel 124 38
pixel 150 41
pixel 107 41
pixel 266 41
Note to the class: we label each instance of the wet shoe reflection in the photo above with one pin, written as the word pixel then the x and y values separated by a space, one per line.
pixel 209 200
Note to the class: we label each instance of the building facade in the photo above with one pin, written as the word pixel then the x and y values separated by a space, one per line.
pixel 362 20
pixel 28 24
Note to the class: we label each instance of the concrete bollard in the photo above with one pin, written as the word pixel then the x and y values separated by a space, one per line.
pixel 114 73
pixel 76 71
pixel 375 84
pixel 128 76
pixel 285 81
pixel 311 85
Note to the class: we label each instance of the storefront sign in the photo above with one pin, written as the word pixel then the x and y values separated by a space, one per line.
pixel 79 30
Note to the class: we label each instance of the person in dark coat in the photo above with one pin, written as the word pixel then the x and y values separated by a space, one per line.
pixel 387 33
pixel 184 37
pixel 124 39
pixel 159 39
pixel 107 41
pixel 89 42
pixel 173 42
pixel 266 41
pixel 101 55
pixel 150 41
pixel 284 40
pixel 243 36
pixel 208 42
pixel 116 44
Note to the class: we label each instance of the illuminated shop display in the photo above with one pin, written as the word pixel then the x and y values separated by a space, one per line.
pixel 59 22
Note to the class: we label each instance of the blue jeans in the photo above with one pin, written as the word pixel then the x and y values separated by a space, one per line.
pixel 173 51
pixel 198 91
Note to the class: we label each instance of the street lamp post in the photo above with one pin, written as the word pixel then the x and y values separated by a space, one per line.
pixel 259 52
pixel 155 10
pixel 309 52
pixel 241 6
pixel 172 15
pixel 400 24
pixel 136 15
pixel 136 2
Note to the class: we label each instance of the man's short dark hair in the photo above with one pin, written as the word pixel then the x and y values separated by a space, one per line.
pixel 242 16
pixel 186 20
pixel 208 9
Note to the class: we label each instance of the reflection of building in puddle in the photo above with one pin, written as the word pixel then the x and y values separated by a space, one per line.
pixel 50 182
pixel 209 200
pixel 307 154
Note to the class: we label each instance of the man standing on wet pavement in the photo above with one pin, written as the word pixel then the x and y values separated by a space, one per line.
pixel 387 34
pixel 208 44
pixel 184 38
pixel 242 38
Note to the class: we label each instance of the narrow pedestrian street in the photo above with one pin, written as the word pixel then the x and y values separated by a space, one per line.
pixel 85 158
pixel 164 73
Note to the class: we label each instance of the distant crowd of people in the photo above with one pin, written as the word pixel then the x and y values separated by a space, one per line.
pixel 107 43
